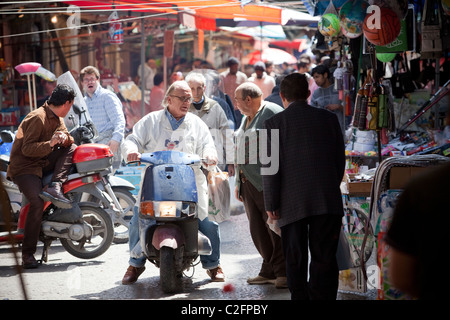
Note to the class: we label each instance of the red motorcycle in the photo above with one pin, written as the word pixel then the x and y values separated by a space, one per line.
pixel 86 230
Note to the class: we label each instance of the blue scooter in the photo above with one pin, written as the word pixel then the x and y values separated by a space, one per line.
pixel 168 223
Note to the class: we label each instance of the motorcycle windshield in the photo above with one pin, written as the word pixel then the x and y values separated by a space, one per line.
pixel 71 120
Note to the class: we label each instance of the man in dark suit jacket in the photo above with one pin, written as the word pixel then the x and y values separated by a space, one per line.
pixel 304 194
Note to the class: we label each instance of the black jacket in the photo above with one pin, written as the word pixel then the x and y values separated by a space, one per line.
pixel 311 164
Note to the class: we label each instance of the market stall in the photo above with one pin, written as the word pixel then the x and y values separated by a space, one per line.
pixel 395 111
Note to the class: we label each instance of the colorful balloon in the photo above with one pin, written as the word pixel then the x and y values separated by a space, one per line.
pixel 329 25
pixel 351 18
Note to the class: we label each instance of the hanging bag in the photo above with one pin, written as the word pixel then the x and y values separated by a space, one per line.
pixel 402 81
pixel 218 195
pixel 431 31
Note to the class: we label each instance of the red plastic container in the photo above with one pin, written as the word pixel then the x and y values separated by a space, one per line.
pixel 92 157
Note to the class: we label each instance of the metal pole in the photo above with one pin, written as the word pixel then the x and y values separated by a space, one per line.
pixel 436 89
pixel 142 67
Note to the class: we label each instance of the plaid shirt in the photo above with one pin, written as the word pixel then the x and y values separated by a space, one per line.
pixel 106 113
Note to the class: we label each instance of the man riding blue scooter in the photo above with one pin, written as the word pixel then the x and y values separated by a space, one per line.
pixel 173 128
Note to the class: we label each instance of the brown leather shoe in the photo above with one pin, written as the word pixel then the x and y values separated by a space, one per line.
pixel 281 283
pixel 216 274
pixel 29 262
pixel 132 274
pixel 53 192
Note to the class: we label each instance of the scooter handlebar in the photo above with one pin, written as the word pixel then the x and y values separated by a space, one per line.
pixel 169 157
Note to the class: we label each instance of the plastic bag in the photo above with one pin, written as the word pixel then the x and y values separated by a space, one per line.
pixel 218 195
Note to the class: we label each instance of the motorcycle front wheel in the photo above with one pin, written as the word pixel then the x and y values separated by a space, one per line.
pixel 127 201
pixel 100 241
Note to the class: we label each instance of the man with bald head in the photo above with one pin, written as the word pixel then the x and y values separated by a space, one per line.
pixel 249 188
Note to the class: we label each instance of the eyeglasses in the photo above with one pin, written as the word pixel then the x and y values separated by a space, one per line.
pixel 184 99
pixel 87 80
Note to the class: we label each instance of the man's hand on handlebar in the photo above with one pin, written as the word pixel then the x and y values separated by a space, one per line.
pixel 133 156
pixel 209 161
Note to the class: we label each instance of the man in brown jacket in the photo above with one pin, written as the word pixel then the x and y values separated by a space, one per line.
pixel 42 145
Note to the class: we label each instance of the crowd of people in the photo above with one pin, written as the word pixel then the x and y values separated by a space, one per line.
pixel 194 105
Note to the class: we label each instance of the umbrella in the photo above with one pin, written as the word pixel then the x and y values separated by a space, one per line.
pixel 34 68
pixel 45 74
pixel 291 17
pixel 29 68
pixel 297 44
pixel 277 56
pixel 268 31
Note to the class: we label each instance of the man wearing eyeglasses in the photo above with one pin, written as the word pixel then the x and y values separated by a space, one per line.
pixel 105 110
pixel 174 128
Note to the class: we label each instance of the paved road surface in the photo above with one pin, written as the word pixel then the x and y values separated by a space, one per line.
pixel 65 277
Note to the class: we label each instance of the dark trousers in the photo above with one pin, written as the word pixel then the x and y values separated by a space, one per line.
pixel 60 162
pixel 321 235
pixel 267 242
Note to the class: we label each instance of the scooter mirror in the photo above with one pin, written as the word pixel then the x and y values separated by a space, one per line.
pixel 6 136
pixel 77 109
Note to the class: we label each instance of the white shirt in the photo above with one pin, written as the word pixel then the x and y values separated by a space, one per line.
pixel 266 84
pixel 154 133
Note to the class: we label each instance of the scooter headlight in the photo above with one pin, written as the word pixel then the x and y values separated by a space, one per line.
pixel 167 209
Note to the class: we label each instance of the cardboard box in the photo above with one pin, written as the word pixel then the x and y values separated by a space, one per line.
pixel 359 187
pixel 400 176
pixel 352 280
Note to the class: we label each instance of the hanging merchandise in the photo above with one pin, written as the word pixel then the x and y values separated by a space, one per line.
pixel 431 46
pixel 338 75
pixel 322 5
pixel 115 34
pixel 329 23
pixel 351 18
pixel 400 7
pixel 381 27
pixel 446 6
pixel 445 35
pixel 385 57
pixel 383 115
pixel 347 85
pixel 372 106
pixel 359 117
pixel 399 44
pixel 402 81
pixel 348 106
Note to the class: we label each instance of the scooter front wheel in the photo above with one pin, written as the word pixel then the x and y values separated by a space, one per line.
pixel 100 241
pixel 169 278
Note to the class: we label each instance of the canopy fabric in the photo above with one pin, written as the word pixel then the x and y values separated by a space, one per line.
pixel 209 14
pixel 121 5
pixel 264 31
pixel 249 12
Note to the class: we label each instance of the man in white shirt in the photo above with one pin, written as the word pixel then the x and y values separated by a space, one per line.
pixel 265 82
pixel 150 69
pixel 174 128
